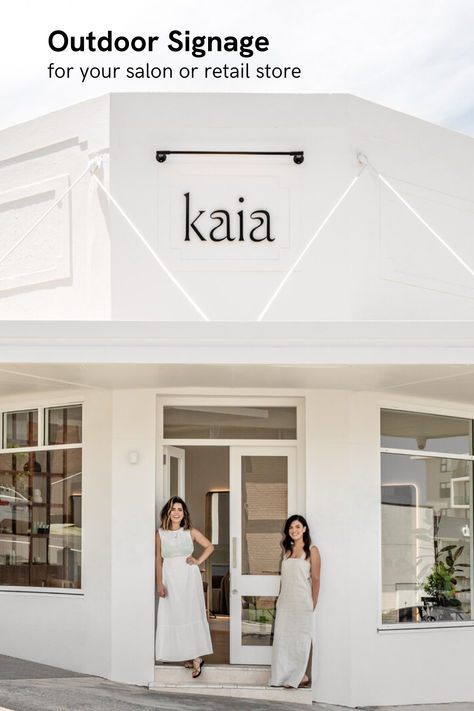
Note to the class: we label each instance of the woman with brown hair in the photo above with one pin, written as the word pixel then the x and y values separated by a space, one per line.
pixel 182 631
pixel 299 590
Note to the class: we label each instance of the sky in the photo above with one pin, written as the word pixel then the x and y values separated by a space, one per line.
pixel 415 57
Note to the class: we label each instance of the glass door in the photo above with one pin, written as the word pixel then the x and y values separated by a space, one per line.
pixel 262 491
pixel 173 465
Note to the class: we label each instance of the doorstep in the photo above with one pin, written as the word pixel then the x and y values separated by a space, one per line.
pixel 234 680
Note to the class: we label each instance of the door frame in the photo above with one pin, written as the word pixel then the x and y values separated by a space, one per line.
pixel 255 400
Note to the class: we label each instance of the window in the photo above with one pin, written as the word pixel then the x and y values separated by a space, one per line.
pixel 20 429
pixel 426 517
pixel 206 422
pixel 40 499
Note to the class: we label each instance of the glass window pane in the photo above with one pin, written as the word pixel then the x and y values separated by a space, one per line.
pixel 40 518
pixel 264 512
pixel 21 428
pixel 425 538
pixel 64 425
pixel 258 617
pixel 431 433
pixel 197 422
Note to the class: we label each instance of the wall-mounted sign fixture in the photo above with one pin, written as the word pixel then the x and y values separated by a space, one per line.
pixel 298 156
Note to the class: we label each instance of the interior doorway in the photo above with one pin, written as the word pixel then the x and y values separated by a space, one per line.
pixel 200 475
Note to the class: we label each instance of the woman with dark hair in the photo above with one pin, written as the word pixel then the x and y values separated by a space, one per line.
pixel 299 590
pixel 182 631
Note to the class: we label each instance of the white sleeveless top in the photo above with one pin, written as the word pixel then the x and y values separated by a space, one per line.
pixel 176 543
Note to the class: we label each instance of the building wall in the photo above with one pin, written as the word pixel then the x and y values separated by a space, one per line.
pixel 356 663
pixel 61 270
pixel 369 262
pixel 110 629
pixel 72 631
pixel 133 537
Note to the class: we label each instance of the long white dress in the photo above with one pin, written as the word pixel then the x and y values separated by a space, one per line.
pixel 182 630
pixel 293 623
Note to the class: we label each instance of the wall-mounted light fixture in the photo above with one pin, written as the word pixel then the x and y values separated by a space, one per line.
pixel 133 457
pixel 298 156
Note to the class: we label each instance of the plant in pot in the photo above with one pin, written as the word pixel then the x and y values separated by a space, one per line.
pixel 441 582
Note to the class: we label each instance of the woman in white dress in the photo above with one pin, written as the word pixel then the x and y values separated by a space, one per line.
pixel 297 600
pixel 182 631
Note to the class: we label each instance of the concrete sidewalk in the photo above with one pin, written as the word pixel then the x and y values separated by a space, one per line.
pixel 26 686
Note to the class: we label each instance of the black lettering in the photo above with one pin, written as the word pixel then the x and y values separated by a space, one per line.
pixel 215 216
pixel 255 215
pixel 192 224
pixel 61 36
pixel 176 44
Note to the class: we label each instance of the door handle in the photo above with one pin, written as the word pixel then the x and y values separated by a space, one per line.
pixel 234 552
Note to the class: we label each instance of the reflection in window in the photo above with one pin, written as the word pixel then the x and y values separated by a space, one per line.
pixel 205 422
pixel 41 518
pixel 258 616
pixel 264 512
pixel 430 433
pixel 426 528
pixel 20 429
pixel 64 425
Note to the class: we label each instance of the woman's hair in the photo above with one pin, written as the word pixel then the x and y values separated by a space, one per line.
pixel 288 541
pixel 166 511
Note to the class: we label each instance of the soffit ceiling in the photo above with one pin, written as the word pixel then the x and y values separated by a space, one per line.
pixel 441 382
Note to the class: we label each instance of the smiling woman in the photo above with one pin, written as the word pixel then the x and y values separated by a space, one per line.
pixel 182 631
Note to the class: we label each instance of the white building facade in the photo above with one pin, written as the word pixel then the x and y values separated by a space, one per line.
pixel 331 404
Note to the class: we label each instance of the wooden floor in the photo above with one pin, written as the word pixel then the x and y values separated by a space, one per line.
pixel 219 627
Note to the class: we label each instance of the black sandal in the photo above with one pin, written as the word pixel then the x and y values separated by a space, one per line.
pixel 198 669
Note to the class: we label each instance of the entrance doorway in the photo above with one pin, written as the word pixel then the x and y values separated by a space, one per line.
pixel 239 496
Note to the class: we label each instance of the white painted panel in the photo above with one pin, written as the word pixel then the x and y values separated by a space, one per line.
pixel 44 255
pixel 411 254
pixel 235 185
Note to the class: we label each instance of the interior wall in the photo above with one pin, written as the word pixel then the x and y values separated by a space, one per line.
pixel 207 469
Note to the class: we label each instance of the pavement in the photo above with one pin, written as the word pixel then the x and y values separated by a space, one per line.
pixel 27 686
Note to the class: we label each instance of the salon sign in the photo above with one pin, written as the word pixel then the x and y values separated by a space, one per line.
pixel 228 216
pixel 220 224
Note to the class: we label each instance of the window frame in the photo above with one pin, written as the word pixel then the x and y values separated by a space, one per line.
pixel 42 447
pixel 415 408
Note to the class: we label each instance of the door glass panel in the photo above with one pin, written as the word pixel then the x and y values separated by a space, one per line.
pixel 264 512
pixel 198 422
pixel 258 616
pixel 174 464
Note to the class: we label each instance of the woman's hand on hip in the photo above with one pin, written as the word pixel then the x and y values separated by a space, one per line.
pixel 161 590
pixel 191 561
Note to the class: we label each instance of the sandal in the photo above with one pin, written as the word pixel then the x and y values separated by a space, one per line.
pixel 305 684
pixel 198 668
pixel 188 665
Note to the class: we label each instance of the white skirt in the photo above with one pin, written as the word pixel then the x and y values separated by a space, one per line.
pixel 182 630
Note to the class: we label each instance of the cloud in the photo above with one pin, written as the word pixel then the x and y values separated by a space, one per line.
pixel 414 57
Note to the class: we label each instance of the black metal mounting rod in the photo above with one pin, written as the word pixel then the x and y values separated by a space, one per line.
pixel 298 156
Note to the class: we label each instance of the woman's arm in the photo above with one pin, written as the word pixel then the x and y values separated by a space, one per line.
pixel 315 573
pixel 204 543
pixel 160 588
